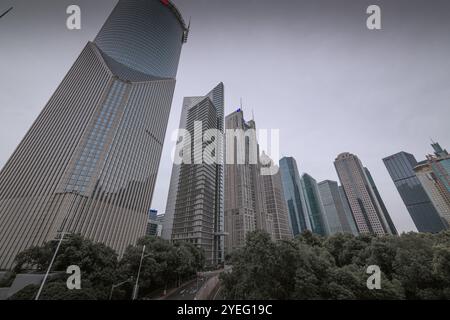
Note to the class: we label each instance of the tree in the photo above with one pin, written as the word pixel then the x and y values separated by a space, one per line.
pixel 97 262
pixel 413 266
pixel 164 264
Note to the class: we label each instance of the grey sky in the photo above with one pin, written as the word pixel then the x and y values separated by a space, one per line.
pixel 310 68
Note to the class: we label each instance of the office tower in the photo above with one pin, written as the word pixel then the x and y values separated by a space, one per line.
pixel 381 202
pixel 401 169
pixel 434 174
pixel 152 224
pixel 160 222
pixel 314 206
pixel 335 216
pixel 440 164
pixel 152 214
pixel 194 211
pixel 365 207
pixel 89 162
pixel 348 212
pixel 273 197
pixel 244 211
pixel 430 184
pixel 298 217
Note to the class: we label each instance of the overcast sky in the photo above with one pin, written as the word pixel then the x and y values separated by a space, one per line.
pixel 310 68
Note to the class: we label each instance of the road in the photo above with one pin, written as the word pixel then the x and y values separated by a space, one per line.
pixel 189 291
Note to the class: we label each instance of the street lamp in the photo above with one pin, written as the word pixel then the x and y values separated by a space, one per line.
pixel 118 285
pixel 136 286
pixel 50 266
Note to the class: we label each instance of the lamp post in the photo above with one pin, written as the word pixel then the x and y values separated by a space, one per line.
pixel 118 285
pixel 50 266
pixel 136 286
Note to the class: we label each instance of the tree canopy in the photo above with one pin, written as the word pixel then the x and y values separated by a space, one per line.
pixel 413 266
pixel 164 265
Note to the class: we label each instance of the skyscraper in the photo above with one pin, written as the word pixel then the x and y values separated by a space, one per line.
pixel 274 202
pixel 298 217
pixel 335 216
pixel 89 162
pixel 244 209
pixel 401 169
pixel 152 224
pixel 434 174
pixel 381 202
pixel 348 211
pixel 363 202
pixel 194 211
pixel 314 206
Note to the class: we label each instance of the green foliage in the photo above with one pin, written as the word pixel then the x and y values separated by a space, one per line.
pixel 164 264
pixel 413 266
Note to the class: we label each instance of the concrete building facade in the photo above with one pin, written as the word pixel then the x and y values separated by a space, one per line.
pixel 366 209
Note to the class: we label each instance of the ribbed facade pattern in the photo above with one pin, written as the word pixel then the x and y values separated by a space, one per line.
pixel 88 164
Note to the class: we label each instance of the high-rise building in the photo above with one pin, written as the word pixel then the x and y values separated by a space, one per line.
pixel 194 211
pixel 244 209
pixel 381 202
pixel 160 222
pixel 401 169
pixel 298 216
pixel 364 205
pixel 334 212
pixel 89 162
pixel 152 214
pixel 274 202
pixel 348 212
pixel 314 206
pixel 152 223
pixel 434 174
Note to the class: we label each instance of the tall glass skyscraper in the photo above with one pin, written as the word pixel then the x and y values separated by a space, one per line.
pixel 401 169
pixel 334 212
pixel 89 162
pixel 365 207
pixel 298 216
pixel 194 211
pixel 314 206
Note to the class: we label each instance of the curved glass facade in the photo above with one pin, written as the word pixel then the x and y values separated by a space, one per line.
pixel 144 35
